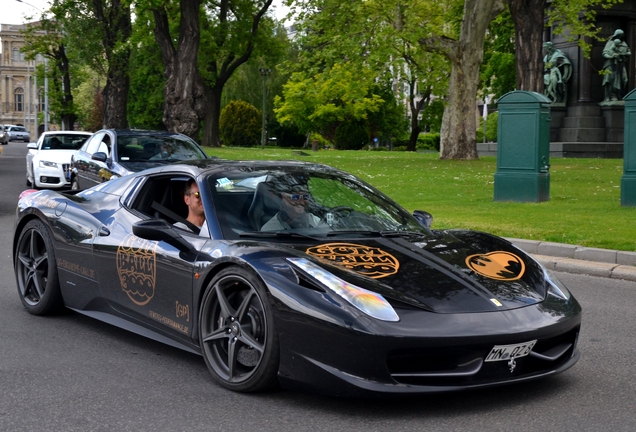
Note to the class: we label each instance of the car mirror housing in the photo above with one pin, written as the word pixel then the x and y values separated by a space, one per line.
pixel 99 156
pixel 160 230
pixel 424 218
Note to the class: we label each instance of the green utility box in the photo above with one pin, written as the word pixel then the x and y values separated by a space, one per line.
pixel 523 149
pixel 628 181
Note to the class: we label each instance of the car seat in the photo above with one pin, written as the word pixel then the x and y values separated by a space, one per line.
pixel 265 204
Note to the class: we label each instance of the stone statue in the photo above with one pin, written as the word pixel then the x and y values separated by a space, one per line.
pixel 616 53
pixel 557 71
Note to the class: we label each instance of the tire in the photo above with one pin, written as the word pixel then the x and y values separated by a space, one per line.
pixel 36 270
pixel 236 332
pixel 75 184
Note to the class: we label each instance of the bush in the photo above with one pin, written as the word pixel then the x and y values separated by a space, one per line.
pixel 352 135
pixel 240 124
pixel 491 128
pixel 400 148
pixel 429 141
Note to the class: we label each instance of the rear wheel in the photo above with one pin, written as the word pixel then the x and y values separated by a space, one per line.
pixel 36 270
pixel 236 332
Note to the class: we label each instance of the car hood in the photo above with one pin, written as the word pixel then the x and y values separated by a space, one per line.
pixel 448 272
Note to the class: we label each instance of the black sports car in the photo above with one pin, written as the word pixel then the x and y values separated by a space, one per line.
pixel 302 275
pixel 113 153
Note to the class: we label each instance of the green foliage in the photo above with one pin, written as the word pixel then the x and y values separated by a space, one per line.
pixel 491 128
pixel 240 124
pixel 321 102
pixel 352 135
pixel 432 116
pixel 428 141
pixel 498 71
pixel 147 82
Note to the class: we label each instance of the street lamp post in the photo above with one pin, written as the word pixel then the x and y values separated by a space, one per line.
pixel 264 73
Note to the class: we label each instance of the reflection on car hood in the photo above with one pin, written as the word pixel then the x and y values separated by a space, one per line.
pixel 450 272
pixel 59 156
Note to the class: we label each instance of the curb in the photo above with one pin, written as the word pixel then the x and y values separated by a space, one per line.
pixel 581 260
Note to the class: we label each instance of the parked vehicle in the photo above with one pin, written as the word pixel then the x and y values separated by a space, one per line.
pixel 48 161
pixel 113 153
pixel 17 133
pixel 4 137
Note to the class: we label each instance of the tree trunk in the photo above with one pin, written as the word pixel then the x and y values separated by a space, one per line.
pixel 114 17
pixel 68 110
pixel 116 99
pixel 211 129
pixel 528 16
pixel 459 125
pixel 184 101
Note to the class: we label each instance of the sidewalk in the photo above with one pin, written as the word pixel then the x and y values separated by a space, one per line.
pixel 581 260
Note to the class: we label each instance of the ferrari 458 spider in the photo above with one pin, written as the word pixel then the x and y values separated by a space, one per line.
pixel 302 275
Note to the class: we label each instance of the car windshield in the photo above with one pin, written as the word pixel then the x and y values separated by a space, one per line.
pixel 168 148
pixel 303 202
pixel 18 129
pixel 63 141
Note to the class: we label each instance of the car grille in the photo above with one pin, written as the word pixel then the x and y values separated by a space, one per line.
pixel 67 171
pixel 466 366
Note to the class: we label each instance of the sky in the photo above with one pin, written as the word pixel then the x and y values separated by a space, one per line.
pixel 13 12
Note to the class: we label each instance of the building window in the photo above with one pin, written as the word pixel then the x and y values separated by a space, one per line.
pixel 18 96
pixel 17 55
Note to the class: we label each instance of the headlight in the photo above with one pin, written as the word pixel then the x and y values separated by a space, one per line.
pixel 47 164
pixel 372 304
pixel 555 286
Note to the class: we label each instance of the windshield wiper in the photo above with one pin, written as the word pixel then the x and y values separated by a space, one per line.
pixel 273 234
pixel 386 233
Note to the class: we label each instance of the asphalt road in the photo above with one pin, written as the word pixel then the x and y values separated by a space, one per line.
pixel 72 373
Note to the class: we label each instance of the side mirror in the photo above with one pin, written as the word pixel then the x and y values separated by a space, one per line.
pixel 32 145
pixel 99 156
pixel 424 218
pixel 160 230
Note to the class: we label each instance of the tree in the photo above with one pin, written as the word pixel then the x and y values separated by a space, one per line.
pixel 231 33
pixel 44 38
pixel 322 102
pixel 184 99
pixel 98 31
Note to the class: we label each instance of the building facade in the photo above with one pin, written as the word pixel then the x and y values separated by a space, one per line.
pixel 22 97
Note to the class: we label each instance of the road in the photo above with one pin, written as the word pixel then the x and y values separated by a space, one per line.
pixel 71 373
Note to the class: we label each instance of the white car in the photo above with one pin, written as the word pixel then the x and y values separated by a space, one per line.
pixel 48 160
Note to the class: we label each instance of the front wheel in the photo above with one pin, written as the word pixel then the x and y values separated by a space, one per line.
pixel 36 270
pixel 236 332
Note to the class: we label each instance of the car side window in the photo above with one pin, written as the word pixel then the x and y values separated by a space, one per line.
pixel 93 144
pixel 104 146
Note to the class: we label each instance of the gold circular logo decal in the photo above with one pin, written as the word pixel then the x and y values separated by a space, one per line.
pixel 498 265
pixel 137 268
pixel 367 261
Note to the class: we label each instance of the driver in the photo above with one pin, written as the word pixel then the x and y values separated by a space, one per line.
pixel 293 211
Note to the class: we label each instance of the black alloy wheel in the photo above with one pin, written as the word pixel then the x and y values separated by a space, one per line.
pixel 36 270
pixel 236 332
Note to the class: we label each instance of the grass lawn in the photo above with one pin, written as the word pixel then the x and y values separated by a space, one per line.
pixel 584 206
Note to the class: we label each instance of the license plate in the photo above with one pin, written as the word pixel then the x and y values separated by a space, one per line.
pixel 506 352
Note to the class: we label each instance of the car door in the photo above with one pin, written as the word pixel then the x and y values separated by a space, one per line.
pixel 90 170
pixel 147 280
